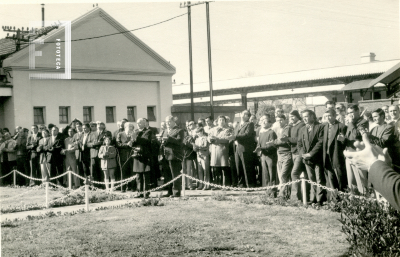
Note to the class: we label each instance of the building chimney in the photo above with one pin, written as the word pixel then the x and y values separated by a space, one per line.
pixel 42 15
pixel 367 57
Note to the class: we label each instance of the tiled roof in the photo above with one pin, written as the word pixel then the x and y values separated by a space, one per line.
pixel 296 76
pixel 7 46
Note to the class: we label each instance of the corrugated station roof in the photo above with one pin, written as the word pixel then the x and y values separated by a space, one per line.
pixel 388 77
pixel 360 84
pixel 296 76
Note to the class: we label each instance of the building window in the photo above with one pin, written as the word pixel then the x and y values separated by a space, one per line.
pixel 87 114
pixel 110 114
pixel 38 115
pixel 151 113
pixel 63 114
pixel 131 113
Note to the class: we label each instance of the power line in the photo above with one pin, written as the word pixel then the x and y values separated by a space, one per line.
pixel 148 26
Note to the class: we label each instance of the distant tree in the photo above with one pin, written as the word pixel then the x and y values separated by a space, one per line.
pixel 264 109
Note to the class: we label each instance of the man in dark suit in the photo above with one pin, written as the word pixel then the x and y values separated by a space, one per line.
pixel 244 135
pixel 309 144
pixel 96 140
pixel 173 153
pixel 21 152
pixel 142 157
pixel 376 161
pixel 84 147
pixel 154 166
pixel 31 145
pixel 54 156
pixel 334 161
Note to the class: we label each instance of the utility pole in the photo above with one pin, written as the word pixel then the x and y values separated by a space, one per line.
pixel 209 60
pixel 188 5
pixel 20 36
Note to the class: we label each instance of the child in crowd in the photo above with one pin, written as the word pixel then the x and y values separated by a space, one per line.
pixel 107 154
pixel 201 146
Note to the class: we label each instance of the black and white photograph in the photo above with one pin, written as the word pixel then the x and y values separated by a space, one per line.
pixel 200 128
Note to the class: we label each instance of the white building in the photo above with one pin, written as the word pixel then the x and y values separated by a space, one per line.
pixel 112 77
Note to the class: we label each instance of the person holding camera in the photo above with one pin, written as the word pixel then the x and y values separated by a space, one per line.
pixel 356 178
pixel 172 142
pixel 31 145
pixel 141 145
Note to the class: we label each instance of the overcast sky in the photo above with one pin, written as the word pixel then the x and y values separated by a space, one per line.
pixel 247 37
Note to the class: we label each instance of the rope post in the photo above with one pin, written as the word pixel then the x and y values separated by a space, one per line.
pixel 304 189
pixel 87 194
pixel 47 192
pixel 183 184
pixel 15 177
pixel 69 178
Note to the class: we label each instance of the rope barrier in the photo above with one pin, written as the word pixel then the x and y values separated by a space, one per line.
pixel 127 180
pixel 162 186
pixel 6 174
pixel 32 178
pixel 242 188
pixel 59 176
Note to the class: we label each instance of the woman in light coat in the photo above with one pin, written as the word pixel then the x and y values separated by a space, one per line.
pixel 45 166
pixel 219 140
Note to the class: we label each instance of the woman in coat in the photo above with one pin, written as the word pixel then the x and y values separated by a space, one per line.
pixel 218 138
pixel 42 150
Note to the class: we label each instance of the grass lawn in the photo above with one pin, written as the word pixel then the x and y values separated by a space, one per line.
pixel 26 195
pixel 181 228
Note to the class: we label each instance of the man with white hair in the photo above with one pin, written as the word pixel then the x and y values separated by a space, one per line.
pixel 173 146
pixel 141 145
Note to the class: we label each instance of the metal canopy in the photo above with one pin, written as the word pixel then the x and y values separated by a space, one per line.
pixel 388 77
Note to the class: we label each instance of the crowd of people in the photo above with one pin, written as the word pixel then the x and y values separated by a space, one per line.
pixel 269 151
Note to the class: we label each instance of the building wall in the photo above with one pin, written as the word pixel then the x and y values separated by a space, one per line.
pixel 97 90
pixel 375 104
pixel 7 113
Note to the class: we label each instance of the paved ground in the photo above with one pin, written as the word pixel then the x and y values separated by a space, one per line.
pixel 189 193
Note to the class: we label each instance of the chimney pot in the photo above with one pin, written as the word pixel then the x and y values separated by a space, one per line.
pixel 367 57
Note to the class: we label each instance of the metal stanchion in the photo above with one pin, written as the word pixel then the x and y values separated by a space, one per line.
pixel 304 189
pixel 183 184
pixel 15 177
pixel 47 193
pixel 69 178
pixel 87 194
